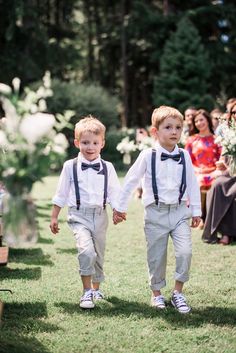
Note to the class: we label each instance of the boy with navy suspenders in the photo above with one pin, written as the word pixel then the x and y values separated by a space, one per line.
pixel 86 184
pixel 171 196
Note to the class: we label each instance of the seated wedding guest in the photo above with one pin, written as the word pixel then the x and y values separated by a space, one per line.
pixel 221 202
pixel 225 116
pixel 204 152
pixel 188 128
pixel 230 103
pixel 221 210
pixel 215 118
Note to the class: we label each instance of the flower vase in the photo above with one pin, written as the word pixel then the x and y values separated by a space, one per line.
pixel 126 158
pixel 232 166
pixel 19 221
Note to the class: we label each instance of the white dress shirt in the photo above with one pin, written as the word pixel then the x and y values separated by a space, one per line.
pixel 91 185
pixel 168 178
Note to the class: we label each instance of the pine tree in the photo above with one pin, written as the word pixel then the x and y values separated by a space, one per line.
pixel 184 70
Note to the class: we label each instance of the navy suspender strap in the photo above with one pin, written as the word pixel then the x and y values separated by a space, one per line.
pixel 154 182
pixel 183 181
pixel 77 194
pixel 105 183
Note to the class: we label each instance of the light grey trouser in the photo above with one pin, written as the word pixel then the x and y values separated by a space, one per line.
pixel 89 226
pixel 160 222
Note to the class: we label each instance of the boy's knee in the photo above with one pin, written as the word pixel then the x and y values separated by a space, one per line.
pixel 87 257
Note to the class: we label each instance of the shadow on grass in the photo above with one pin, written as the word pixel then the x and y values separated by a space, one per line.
pixel 42 240
pixel 114 306
pixel 26 273
pixel 30 257
pixel 44 205
pixel 71 251
pixel 20 320
pixel 19 344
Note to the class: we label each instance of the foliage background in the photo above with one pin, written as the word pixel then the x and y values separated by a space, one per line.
pixel 110 57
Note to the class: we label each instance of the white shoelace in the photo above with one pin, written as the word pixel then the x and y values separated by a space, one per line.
pixel 98 294
pixel 159 300
pixel 180 301
pixel 88 295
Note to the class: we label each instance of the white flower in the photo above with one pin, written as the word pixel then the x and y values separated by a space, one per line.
pixel 29 140
pixel 145 143
pixel 33 108
pixel 126 146
pixel 60 140
pixel 5 89
pixel 228 139
pixel 42 105
pixel 3 140
pixel 47 79
pixel 12 119
pixel 16 84
pixel 34 127
pixel 8 172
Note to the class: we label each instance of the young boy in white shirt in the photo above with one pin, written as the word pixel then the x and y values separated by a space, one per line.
pixel 171 197
pixel 86 183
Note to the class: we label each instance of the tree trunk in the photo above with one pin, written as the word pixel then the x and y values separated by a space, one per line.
pixel 125 89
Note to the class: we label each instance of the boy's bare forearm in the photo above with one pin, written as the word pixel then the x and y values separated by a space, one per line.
pixel 55 211
pixel 54 219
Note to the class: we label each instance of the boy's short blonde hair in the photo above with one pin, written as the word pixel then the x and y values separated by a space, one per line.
pixel 163 112
pixel 90 124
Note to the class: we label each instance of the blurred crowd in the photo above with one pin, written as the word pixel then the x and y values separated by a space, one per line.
pixel 211 165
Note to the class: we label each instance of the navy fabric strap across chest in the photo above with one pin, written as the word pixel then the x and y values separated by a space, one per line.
pixel 183 184
pixel 76 183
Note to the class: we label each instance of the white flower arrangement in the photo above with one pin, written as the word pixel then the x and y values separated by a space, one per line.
pixel 126 147
pixel 227 139
pixel 30 142
pixel 145 143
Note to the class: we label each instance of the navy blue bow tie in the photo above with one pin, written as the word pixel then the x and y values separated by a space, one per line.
pixel 95 166
pixel 165 156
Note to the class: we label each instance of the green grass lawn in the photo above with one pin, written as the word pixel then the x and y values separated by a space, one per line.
pixel 43 314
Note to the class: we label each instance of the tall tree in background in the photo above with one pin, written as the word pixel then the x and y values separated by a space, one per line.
pixel 184 70
pixel 117 44
pixel 36 36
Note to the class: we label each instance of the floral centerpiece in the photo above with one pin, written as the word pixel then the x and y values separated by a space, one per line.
pixel 227 140
pixel 30 145
pixel 126 147
pixel 146 142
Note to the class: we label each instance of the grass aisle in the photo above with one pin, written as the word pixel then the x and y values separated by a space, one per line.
pixel 43 315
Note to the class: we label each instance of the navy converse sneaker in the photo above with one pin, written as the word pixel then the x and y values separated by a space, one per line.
pixel 179 302
pixel 98 295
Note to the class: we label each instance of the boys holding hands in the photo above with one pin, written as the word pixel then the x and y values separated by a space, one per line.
pixel 171 196
pixel 86 183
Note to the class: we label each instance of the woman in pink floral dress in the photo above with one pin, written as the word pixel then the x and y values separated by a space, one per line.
pixel 204 153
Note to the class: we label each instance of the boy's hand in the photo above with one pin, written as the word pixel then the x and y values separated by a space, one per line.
pixel 118 216
pixel 54 226
pixel 195 222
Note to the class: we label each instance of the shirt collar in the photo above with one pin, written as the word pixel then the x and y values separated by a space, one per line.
pixel 84 160
pixel 161 149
